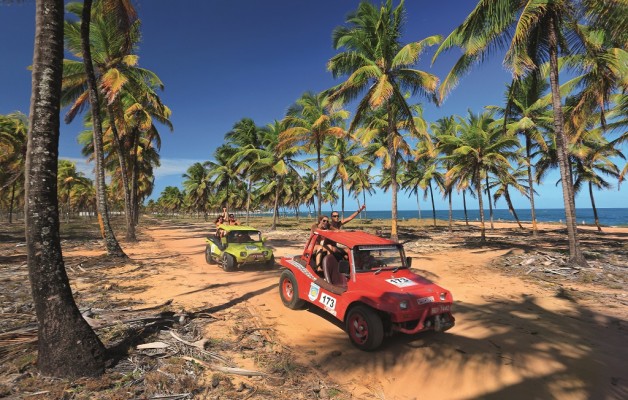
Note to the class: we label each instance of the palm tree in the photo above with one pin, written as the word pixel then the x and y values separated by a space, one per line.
pixel 360 182
pixel 537 31
pixel 594 159
pixel 112 245
pixel 421 175
pixel 376 62
pixel 505 180
pixel 197 187
pixel 479 149
pixel 67 178
pixel 278 162
pixel 130 91
pixel 244 135
pixel 310 121
pixel 67 345
pixel 341 157
pixel 528 113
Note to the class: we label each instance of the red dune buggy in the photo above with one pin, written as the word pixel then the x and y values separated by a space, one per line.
pixel 365 282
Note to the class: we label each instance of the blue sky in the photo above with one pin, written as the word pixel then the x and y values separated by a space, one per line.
pixel 222 61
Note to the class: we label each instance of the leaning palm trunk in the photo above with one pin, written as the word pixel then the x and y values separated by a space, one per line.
pixel 248 200
pixel 478 184
pixel 451 212
pixel 511 208
pixel 464 205
pixel 67 346
pixel 275 209
pixel 124 173
pixel 433 205
pixel 531 185
pixel 11 202
pixel 490 204
pixel 575 253
pixel 319 187
pixel 597 220
pixel 113 247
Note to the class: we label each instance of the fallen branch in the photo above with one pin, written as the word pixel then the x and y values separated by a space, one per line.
pixel 226 370
pixel 200 345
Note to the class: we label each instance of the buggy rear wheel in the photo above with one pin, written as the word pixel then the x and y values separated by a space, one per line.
pixel 365 328
pixel 289 290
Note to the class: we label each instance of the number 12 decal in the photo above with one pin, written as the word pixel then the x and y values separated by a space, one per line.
pixel 328 301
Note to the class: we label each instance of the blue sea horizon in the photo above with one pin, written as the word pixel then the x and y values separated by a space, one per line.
pixel 607 216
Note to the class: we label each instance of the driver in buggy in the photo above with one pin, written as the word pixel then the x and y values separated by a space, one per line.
pixel 364 260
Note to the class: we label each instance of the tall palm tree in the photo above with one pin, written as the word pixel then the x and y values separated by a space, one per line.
pixel 528 113
pixel 340 158
pixel 112 245
pixel 310 121
pixel 479 149
pixel 67 345
pixel 244 135
pixel 130 91
pixel 377 64
pixel 278 162
pixel 533 32
pixel 197 187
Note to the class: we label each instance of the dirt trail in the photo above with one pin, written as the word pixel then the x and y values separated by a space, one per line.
pixel 512 340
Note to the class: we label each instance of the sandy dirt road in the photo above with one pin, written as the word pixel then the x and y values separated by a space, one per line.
pixel 513 339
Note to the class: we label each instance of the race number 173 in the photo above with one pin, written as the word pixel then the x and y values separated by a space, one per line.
pixel 328 301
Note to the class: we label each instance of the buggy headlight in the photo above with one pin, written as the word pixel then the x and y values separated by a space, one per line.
pixel 243 254
pixel 265 252
pixel 403 304
pixel 443 296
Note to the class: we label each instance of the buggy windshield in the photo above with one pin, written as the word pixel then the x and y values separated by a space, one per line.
pixel 244 236
pixel 369 258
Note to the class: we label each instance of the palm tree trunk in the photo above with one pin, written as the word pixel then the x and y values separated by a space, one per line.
pixel 418 202
pixel 464 205
pixel 275 209
pixel 135 173
pixel 124 173
pixel 451 213
pixel 531 185
pixel 113 247
pixel 597 220
pixel 575 253
pixel 248 200
pixel 11 202
pixel 67 345
pixel 342 203
pixel 393 176
pixel 490 204
pixel 511 208
pixel 319 177
pixel 433 206
pixel 478 184
pixel 364 201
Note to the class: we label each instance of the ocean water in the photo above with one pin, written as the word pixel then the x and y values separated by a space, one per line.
pixel 607 216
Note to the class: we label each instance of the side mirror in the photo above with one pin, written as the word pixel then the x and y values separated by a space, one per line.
pixel 409 261
pixel 343 266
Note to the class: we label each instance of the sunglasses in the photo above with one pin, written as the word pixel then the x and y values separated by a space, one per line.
pixel 335 216
pixel 325 220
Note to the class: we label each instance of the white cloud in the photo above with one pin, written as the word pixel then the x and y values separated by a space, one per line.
pixel 169 166
pixel 174 167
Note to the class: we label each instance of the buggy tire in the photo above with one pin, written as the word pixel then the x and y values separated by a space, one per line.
pixel 208 255
pixel 228 262
pixel 289 291
pixel 365 328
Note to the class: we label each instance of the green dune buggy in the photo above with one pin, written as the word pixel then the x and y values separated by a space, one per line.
pixel 233 246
